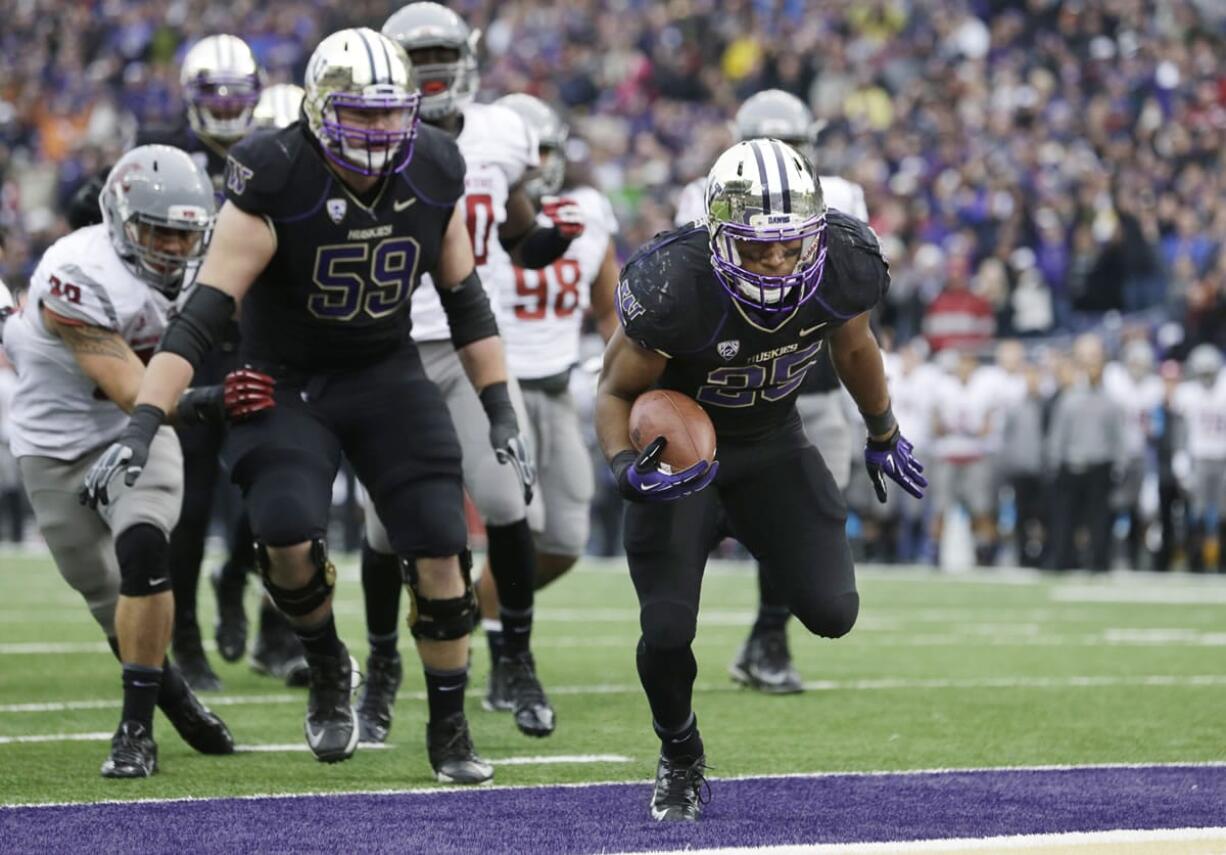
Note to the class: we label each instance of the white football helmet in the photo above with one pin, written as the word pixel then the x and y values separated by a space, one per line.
pixel 445 86
pixel 221 81
pixel 782 116
pixel 279 107
pixel 1205 363
pixel 361 70
pixel 551 132
pixel 763 191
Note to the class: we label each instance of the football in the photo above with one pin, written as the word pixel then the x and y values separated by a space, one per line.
pixel 680 420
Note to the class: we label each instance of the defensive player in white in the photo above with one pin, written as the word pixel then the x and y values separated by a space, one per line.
pixel 541 325
pixel 1136 387
pixel 97 308
pixel 1201 400
pixel 764 661
pixel 499 152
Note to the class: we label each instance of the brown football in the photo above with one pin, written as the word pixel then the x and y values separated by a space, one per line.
pixel 679 419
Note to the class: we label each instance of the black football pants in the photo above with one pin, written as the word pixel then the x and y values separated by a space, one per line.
pixel 780 500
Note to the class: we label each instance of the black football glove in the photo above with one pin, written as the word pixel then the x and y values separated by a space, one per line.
pixel 129 453
pixel 505 437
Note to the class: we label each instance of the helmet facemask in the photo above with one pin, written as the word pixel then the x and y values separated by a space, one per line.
pixel 164 270
pixel 366 150
pixel 446 87
pixel 221 106
pixel 765 292
pixel 551 174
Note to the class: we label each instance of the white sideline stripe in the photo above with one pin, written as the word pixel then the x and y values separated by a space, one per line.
pixel 881 683
pixel 1178 595
pixel 1024 842
pixel 877 773
pixel 97 736
pixel 301 746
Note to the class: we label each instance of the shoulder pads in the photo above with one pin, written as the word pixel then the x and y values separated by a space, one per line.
pixel 258 168
pixel 436 170
pixel 856 271
pixel 659 295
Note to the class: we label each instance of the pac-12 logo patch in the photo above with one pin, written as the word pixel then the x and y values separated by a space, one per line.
pixel 728 349
pixel 336 209
pixel 237 176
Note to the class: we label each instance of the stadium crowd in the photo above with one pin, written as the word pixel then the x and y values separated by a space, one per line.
pixel 1035 170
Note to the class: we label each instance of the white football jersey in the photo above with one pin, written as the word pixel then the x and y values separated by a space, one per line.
pixel 1204 412
pixel 542 314
pixel 1137 398
pixel 498 148
pixel 839 193
pixel 58 411
pixel 963 414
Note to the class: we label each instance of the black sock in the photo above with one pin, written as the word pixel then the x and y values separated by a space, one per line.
pixel 141 685
pixel 381 585
pixel 684 742
pixel 773 611
pixel 174 687
pixel 384 645
pixel 493 637
pixel 445 692
pixel 321 639
pixel 516 630
pixel 513 561
pixel 667 675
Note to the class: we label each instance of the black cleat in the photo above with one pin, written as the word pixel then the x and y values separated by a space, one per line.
pixel 134 754
pixel 383 676
pixel 331 724
pixel 231 627
pixel 681 789
pixel 533 714
pixel 199 726
pixel 498 693
pixel 188 652
pixel 765 664
pixel 452 755
pixel 278 651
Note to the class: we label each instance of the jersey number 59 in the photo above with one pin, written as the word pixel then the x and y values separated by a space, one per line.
pixel 352 279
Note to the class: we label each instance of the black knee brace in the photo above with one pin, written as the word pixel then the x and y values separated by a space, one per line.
pixel 144 560
pixel 441 620
pixel 300 601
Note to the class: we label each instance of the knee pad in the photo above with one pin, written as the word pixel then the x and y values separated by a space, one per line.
pixel 300 601
pixel 668 625
pixel 833 617
pixel 441 620
pixel 143 551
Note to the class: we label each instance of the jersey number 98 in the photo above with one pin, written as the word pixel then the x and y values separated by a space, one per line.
pixel 352 279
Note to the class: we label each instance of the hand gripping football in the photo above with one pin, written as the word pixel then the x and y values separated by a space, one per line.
pixel 680 420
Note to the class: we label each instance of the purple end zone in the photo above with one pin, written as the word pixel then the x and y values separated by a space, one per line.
pixel 610 818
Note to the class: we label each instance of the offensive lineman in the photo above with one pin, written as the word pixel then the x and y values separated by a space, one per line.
pixel 728 312
pixel 327 228
pixel 98 305
pixel 764 661
pixel 541 321
pixel 499 152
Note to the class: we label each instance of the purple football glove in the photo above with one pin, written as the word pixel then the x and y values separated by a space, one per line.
pixel 892 457
pixel 640 478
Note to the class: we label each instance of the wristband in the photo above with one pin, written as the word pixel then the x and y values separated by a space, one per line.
pixel 145 421
pixel 880 424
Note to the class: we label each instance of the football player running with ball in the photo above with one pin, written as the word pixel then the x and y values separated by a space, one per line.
pixel 98 304
pixel 734 312
pixel 327 228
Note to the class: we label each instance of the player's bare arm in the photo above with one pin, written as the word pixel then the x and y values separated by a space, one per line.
pixel 629 370
pixel 242 246
pixel 602 295
pixel 103 356
pixel 857 359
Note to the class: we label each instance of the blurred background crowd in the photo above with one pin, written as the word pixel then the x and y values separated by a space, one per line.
pixel 1036 170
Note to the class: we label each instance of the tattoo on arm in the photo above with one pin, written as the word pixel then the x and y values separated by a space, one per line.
pixel 94 341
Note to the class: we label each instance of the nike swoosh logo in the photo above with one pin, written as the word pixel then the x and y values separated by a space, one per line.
pixel 159 580
pixel 314 738
pixel 403 206
pixel 813 329
pixel 449 688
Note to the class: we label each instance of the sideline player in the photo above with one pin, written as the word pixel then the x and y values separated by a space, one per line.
pixel 733 312
pixel 327 228
pixel 499 152
pixel 541 324
pixel 764 661
pixel 97 306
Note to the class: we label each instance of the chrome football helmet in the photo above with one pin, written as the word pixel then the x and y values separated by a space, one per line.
pixel 221 82
pixel 361 70
pixel 279 107
pixel 782 116
pixel 552 133
pixel 159 208
pixel 446 87
pixel 763 191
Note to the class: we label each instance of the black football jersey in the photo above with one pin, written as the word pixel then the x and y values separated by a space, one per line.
pixel 336 294
pixel 745 369
pixel 207 153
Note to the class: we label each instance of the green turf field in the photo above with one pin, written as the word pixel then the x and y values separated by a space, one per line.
pixel 941 671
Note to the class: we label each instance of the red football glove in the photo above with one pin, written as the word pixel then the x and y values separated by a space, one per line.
pixel 247 392
pixel 566 214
